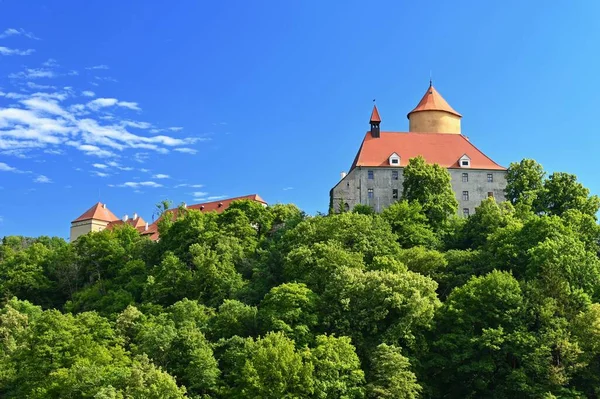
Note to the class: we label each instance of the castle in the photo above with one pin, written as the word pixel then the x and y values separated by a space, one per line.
pixel 375 177
pixel 99 217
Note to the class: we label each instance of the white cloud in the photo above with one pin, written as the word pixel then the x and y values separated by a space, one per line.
pixel 100 174
pixel 161 176
pixel 189 185
pixel 33 73
pixel 144 170
pixel 288 188
pixel 14 51
pixel 199 194
pixel 100 166
pixel 109 102
pixel 132 184
pixel 42 179
pixel 136 124
pixel 186 150
pixel 88 93
pixel 216 197
pixel 53 151
pixel 105 79
pixel 50 63
pixel 175 128
pixel 97 67
pixel 5 168
pixel 36 86
pixel 17 32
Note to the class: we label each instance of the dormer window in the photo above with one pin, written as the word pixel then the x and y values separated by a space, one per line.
pixel 464 161
pixel 394 159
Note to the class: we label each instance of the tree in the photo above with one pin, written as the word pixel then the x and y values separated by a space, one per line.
pixel 363 209
pixel 337 371
pixel 291 309
pixel 524 181
pixel 430 186
pixel 562 192
pixel 489 216
pixel 272 369
pixel 390 375
pixel 410 224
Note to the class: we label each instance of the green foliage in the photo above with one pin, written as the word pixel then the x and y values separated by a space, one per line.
pixel 363 209
pixel 429 185
pixel 265 302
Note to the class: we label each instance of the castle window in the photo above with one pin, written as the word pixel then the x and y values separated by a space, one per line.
pixel 370 193
pixel 466 212
pixel 490 177
pixel 465 177
pixel 465 195
pixel 491 194
pixel 395 193
pixel 394 175
pixel 370 175
pixel 346 207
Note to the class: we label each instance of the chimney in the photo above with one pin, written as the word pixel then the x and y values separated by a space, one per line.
pixel 201 207
pixel 184 205
pixel 135 215
pixel 146 227
pixel 220 204
pixel 104 206
pixel 125 218
pixel 343 174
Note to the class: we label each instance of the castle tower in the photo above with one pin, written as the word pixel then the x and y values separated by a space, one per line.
pixel 375 121
pixel 434 115
pixel 94 219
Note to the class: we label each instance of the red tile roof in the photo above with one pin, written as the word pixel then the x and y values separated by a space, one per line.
pixel 97 212
pixel 375 115
pixel 443 149
pixel 214 206
pixel 135 223
pixel 433 101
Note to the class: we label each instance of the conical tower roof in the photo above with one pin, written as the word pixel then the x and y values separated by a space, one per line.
pixel 375 115
pixel 97 212
pixel 433 101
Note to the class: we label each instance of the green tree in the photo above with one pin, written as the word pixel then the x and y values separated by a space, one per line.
pixel 410 224
pixel 390 375
pixel 430 186
pixel 524 181
pixel 562 192
pixel 337 371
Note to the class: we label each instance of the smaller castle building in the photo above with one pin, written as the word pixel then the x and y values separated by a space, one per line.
pixel 376 175
pixel 99 217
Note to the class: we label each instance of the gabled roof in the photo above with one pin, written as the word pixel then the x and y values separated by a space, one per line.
pixel 97 212
pixel 137 223
pixel 433 101
pixel 214 206
pixel 440 148
pixel 375 115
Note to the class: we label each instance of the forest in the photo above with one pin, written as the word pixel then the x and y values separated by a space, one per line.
pixel 268 302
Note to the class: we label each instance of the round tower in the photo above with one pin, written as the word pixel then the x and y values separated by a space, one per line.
pixel 434 115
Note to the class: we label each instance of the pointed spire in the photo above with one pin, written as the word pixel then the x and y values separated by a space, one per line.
pixel 97 212
pixel 433 101
pixel 375 115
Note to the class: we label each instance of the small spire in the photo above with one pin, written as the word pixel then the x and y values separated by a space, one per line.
pixel 375 115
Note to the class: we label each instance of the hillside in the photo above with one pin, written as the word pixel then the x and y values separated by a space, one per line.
pixel 268 302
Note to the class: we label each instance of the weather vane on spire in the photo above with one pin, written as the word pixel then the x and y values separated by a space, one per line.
pixel 430 79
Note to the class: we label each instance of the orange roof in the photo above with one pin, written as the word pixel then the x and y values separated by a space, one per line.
pixel 98 212
pixel 443 149
pixel 375 115
pixel 433 101
pixel 136 223
pixel 214 206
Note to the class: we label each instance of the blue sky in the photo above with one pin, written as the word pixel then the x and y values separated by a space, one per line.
pixel 132 102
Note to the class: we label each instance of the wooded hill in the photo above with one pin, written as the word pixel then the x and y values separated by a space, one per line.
pixel 270 303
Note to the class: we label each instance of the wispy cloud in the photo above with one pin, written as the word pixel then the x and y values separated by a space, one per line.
pixel 139 184
pixel 14 51
pixel 88 93
pixel 102 66
pixel 189 185
pixel 18 32
pixel 100 174
pixel 110 102
pixel 50 63
pixel 33 73
pixel 175 128
pixel 35 86
pixel 161 176
pixel 288 188
pixel 42 179
pixel 100 166
pixel 199 194
pixel 186 150
pixel 5 168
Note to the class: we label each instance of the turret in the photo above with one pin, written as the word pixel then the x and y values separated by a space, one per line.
pixel 375 121
pixel 434 115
